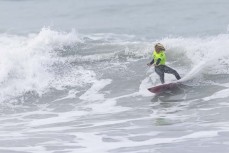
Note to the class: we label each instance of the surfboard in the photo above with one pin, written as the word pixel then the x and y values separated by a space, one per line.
pixel 178 84
pixel 165 87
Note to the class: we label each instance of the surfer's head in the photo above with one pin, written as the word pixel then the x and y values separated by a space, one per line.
pixel 159 47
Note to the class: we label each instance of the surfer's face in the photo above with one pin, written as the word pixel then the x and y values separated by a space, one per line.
pixel 157 49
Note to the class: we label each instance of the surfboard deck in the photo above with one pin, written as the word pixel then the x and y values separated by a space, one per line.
pixel 165 87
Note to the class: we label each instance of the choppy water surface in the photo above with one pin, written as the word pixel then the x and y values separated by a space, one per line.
pixel 73 77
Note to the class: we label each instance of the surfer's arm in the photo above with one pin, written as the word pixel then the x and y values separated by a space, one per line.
pixel 151 62
pixel 158 61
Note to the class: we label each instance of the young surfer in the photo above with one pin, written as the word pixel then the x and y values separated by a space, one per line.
pixel 159 59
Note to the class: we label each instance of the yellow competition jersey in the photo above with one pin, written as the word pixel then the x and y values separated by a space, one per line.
pixel 160 55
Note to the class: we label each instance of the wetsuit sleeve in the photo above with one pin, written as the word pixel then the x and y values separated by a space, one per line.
pixel 158 61
pixel 152 62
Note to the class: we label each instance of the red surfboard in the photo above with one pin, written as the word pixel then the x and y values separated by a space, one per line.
pixel 164 87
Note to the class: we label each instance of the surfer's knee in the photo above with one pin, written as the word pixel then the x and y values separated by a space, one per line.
pixel 174 72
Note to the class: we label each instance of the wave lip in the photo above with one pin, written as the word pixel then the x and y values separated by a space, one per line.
pixel 26 61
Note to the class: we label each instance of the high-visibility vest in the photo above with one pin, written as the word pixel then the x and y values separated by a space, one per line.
pixel 160 55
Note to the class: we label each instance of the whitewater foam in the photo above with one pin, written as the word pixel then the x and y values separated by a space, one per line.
pixel 92 93
pixel 27 61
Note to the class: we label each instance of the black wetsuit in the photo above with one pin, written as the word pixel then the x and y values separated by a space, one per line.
pixel 161 69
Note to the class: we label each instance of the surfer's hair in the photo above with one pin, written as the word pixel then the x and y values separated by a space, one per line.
pixel 159 46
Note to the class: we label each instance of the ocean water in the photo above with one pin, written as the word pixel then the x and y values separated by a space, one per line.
pixel 74 79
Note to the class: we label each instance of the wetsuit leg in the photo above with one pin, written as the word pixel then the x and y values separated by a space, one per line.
pixel 171 71
pixel 160 71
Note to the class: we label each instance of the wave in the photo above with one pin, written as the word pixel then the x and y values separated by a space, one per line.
pixel 54 59
pixel 26 62
pixel 210 52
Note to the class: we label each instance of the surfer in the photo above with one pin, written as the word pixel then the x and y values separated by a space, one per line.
pixel 159 59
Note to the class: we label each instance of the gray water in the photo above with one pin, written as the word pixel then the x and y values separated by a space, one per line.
pixel 73 76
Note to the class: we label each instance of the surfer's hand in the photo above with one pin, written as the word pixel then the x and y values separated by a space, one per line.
pixel 149 64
